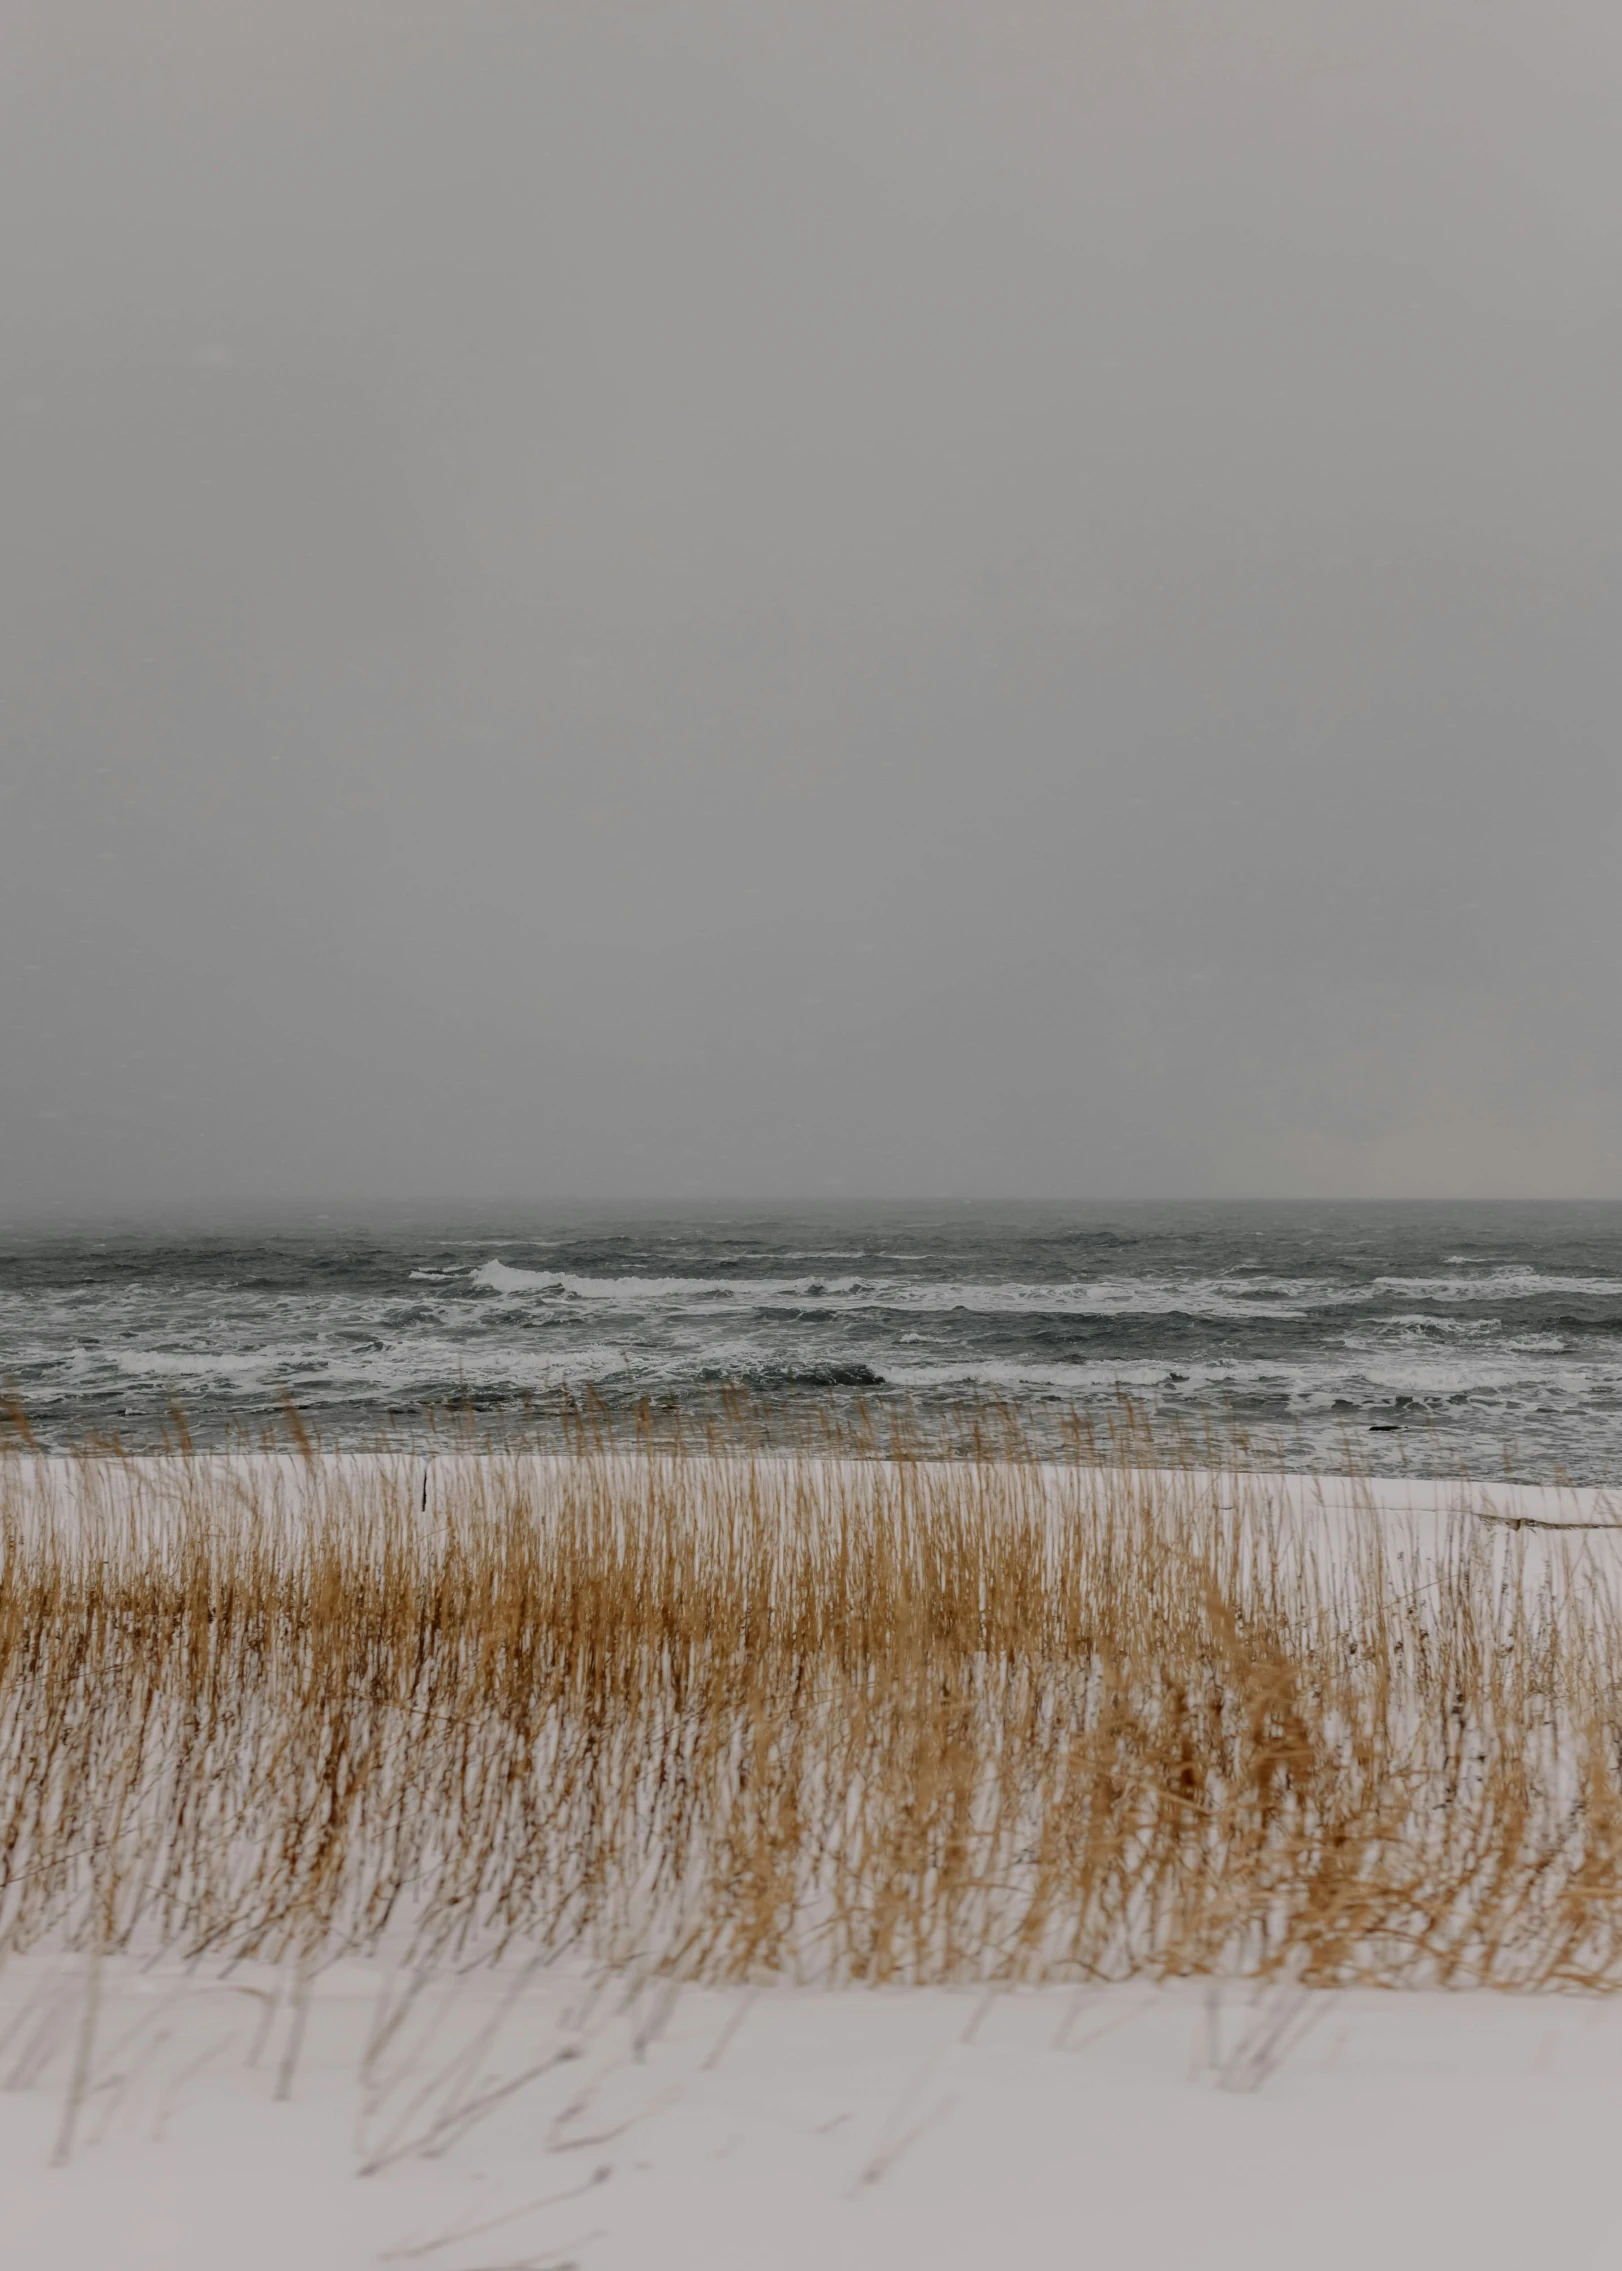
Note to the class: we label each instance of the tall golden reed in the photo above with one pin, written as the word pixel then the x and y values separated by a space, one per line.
pixel 823 1718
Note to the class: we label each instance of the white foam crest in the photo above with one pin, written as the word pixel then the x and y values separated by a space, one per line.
pixel 1238 1297
pixel 1511 1284
pixel 1305 1381
pixel 188 1363
pixel 400 1366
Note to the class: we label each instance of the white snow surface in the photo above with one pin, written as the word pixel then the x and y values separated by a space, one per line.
pixel 522 2123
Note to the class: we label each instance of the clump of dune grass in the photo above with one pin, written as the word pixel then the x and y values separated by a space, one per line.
pixel 823 1718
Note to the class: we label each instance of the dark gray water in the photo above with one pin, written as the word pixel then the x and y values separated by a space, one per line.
pixel 1440 1337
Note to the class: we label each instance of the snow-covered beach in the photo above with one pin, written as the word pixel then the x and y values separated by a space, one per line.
pixel 338 2108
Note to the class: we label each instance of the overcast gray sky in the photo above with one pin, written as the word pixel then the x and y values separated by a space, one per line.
pixel 934 597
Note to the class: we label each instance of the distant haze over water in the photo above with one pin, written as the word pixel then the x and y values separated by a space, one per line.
pixel 1433 1336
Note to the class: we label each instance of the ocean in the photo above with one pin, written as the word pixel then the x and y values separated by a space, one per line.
pixel 1431 1338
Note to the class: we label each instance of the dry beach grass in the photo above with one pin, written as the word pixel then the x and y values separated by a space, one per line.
pixel 798 1716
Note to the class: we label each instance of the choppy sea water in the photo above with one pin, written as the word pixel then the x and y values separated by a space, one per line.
pixel 1436 1338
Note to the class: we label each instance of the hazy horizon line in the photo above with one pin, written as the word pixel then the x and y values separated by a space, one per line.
pixel 363 1212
